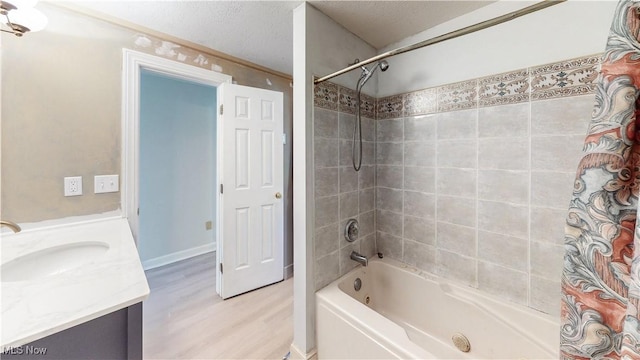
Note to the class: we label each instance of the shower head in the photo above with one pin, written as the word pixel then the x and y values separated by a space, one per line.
pixel 366 73
pixel 357 129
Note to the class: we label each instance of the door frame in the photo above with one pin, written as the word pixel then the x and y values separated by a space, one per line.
pixel 132 63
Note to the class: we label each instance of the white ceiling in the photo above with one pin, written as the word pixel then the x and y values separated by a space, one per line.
pixel 262 31
pixel 381 23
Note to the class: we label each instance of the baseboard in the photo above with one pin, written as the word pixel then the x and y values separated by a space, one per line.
pixel 288 271
pixel 295 354
pixel 177 256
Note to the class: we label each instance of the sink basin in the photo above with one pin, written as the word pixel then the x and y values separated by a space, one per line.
pixel 52 260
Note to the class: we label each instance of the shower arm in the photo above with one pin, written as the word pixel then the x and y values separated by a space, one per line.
pixel 451 35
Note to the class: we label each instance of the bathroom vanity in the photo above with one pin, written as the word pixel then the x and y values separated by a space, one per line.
pixel 117 335
pixel 72 292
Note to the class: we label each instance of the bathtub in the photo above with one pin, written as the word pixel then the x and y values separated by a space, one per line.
pixel 401 312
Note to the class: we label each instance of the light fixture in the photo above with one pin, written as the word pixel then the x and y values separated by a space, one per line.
pixel 20 16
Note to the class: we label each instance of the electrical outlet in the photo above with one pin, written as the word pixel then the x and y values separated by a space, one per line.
pixel 73 186
pixel 105 184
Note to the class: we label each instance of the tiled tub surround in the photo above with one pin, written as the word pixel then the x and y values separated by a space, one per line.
pixel 341 193
pixel 473 179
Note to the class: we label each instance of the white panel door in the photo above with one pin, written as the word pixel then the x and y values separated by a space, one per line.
pixel 251 250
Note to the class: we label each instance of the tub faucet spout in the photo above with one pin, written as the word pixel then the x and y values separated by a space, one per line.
pixel 11 225
pixel 359 258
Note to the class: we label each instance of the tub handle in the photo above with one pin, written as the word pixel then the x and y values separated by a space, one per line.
pixel 351 230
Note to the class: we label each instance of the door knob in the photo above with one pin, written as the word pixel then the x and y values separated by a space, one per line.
pixel 278 195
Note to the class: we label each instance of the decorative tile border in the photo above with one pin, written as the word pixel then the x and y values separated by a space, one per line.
pixel 347 102
pixel 566 78
pixel 325 95
pixel 368 106
pixel 390 107
pixel 421 102
pixel 458 96
pixel 503 89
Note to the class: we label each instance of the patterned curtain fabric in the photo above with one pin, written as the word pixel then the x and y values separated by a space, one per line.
pixel 601 275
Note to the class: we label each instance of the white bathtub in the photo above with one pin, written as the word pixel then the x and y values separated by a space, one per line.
pixel 413 315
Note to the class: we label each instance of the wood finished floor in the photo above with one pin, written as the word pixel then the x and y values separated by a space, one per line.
pixel 184 318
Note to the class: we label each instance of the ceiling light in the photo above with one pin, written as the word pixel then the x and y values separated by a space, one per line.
pixel 17 4
pixel 20 16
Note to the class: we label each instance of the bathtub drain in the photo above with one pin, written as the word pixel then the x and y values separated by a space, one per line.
pixel 461 342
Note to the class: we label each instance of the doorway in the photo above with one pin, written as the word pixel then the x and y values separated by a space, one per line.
pixel 134 63
pixel 263 177
pixel 177 169
pixel 247 138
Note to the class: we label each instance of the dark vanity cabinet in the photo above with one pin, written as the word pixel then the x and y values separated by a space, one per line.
pixel 115 336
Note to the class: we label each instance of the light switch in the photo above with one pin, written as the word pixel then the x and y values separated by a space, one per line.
pixel 106 184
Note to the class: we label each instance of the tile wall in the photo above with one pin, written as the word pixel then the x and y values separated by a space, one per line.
pixel 473 179
pixel 341 193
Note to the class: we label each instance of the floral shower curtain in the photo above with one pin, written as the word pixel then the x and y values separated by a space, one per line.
pixel 601 274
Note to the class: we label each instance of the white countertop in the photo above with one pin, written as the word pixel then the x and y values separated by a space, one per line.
pixel 37 308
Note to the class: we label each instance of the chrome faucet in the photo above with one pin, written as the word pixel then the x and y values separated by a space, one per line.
pixel 11 225
pixel 359 258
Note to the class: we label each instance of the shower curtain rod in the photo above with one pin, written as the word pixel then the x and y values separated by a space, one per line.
pixel 454 34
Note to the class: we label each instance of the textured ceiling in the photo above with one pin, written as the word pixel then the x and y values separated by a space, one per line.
pixel 262 31
pixel 381 23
